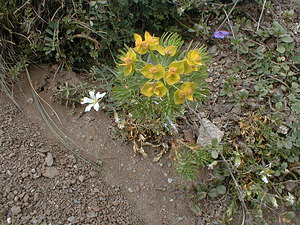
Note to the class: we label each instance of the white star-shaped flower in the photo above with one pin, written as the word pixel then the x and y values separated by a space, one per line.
pixel 93 101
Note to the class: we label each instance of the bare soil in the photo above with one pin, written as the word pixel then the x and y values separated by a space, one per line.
pixel 42 183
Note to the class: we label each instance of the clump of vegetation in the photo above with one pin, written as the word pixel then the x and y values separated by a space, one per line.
pixel 258 162
pixel 155 79
pixel 70 94
pixel 78 33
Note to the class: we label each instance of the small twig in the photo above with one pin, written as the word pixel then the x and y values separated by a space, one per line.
pixel 38 15
pixel 288 181
pixel 270 104
pixel 280 81
pixel 258 43
pixel 8 42
pixel 228 14
pixel 185 26
pixel 21 7
pixel 82 24
pixel 97 44
pixel 22 35
pixel 56 11
pixel 213 104
pixel 227 17
pixel 240 192
pixel 261 14
pixel 59 69
pixel 222 199
pixel 173 126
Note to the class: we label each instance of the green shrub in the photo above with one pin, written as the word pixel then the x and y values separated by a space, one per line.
pixel 78 33
pixel 157 77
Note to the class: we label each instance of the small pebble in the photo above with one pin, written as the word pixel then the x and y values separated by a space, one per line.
pixel 170 180
pixel 15 210
pixel 71 219
pixel 34 220
pixel 81 178
pixel 49 159
pixel 23 175
pixel 30 100
pixel 51 172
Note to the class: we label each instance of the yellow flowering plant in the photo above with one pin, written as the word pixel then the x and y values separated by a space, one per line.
pixel 157 76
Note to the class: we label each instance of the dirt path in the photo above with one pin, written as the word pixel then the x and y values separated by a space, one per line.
pixel 44 183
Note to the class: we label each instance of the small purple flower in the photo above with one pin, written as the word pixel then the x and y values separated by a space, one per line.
pixel 150 61
pixel 221 34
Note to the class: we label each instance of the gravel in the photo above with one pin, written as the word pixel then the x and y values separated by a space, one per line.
pixel 42 183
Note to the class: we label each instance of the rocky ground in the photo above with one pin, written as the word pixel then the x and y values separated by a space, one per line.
pixel 42 183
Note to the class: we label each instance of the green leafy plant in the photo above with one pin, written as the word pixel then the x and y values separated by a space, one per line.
pixel 72 94
pixel 78 33
pixel 190 158
pixel 156 78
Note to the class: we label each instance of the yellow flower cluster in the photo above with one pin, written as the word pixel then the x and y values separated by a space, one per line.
pixel 170 75
pixel 128 62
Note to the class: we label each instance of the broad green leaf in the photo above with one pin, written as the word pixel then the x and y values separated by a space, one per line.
pixel 244 49
pixel 237 161
pixel 278 106
pixel 296 59
pixel 102 1
pixel 213 193
pixel 54 24
pixel 221 189
pixel 290 215
pixel 201 195
pixel 287 39
pixel 280 49
pixel 288 145
pixel 278 28
pixel 291 97
pixel 214 141
pixel 49 31
pixel 214 154
pixel 201 187
pixel 92 3
pixel 196 209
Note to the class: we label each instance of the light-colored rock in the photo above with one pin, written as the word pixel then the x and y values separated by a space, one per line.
pixel 207 132
pixel 170 180
pixel 15 210
pixel 81 178
pixel 49 159
pixel 51 172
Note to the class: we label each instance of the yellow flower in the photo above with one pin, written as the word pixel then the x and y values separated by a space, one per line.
pixel 150 43
pixel 172 76
pixel 153 72
pixel 128 62
pixel 185 92
pixel 170 50
pixel 195 57
pixel 151 88
pixel 189 66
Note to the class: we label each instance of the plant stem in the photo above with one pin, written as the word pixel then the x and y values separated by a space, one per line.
pixel 262 11
pixel 228 14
